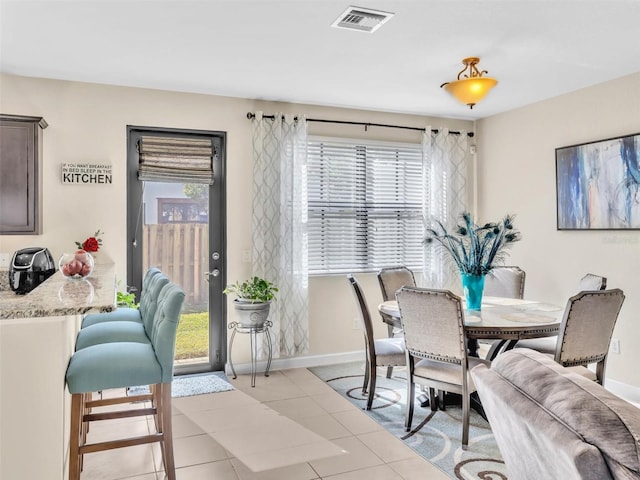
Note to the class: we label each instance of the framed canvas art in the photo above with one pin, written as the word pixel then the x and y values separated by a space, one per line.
pixel 598 185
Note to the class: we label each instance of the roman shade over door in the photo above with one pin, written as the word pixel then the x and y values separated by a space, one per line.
pixel 176 159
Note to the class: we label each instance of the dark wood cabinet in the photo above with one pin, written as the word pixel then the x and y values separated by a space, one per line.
pixel 21 174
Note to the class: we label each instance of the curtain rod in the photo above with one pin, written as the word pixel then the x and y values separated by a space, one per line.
pixel 365 124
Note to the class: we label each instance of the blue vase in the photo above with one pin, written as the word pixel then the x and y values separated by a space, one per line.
pixel 473 286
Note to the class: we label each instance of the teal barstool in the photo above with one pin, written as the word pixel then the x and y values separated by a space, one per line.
pixel 125 314
pixel 127 364
pixel 126 330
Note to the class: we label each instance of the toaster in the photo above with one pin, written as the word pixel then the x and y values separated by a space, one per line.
pixel 29 268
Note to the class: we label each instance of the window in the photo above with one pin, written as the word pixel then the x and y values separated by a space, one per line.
pixel 365 205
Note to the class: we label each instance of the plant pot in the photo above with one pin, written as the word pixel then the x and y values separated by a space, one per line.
pixel 252 315
pixel 473 286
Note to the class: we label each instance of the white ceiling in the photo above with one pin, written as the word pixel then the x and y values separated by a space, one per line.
pixel 287 51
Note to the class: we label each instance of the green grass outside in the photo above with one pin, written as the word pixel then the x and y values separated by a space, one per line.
pixel 192 338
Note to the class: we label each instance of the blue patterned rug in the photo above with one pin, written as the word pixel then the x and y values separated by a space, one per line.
pixel 188 385
pixel 435 435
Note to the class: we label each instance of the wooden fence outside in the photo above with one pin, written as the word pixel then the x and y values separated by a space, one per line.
pixel 180 251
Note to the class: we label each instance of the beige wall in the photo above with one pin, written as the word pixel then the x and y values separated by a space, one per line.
pixel 87 123
pixel 516 158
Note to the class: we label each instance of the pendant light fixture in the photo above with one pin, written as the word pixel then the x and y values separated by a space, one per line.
pixel 471 86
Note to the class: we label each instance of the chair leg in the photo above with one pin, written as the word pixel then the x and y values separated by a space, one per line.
pixel 433 403
pixel 167 430
pixel 75 435
pixel 466 400
pixel 372 387
pixel 367 372
pixel 411 391
pixel 600 369
pixel 390 334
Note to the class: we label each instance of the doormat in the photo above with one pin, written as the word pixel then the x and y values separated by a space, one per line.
pixel 188 385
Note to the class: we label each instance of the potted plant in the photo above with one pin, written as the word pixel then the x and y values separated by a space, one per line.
pixel 474 249
pixel 254 297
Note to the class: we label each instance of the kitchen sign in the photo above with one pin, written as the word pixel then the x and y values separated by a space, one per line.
pixel 86 173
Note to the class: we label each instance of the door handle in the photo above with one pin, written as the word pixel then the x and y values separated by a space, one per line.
pixel 213 273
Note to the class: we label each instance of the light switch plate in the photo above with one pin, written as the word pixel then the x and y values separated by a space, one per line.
pixel 5 259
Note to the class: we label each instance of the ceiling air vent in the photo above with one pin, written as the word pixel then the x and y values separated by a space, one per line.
pixel 361 19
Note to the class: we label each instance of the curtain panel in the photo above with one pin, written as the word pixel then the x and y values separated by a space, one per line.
pixel 280 241
pixel 445 158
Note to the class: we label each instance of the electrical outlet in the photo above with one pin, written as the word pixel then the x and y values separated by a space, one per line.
pixel 615 346
pixel 5 259
pixel 356 323
pixel 246 256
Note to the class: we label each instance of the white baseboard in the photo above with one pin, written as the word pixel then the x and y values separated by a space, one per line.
pixel 630 393
pixel 298 362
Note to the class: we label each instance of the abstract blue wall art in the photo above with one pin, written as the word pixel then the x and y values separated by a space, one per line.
pixel 598 185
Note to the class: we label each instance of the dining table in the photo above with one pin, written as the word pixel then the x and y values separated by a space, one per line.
pixel 504 320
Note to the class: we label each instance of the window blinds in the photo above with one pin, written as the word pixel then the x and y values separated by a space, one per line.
pixel 175 159
pixel 365 206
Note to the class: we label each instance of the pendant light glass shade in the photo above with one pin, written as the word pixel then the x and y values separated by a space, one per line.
pixel 472 87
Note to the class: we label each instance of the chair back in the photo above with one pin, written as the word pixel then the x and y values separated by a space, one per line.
pixel 165 326
pixel 592 282
pixel 391 279
pixel 587 327
pixel 152 272
pixel 149 298
pixel 364 318
pixel 433 324
pixel 505 281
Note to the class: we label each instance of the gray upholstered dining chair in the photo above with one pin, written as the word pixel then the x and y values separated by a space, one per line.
pixel 586 331
pixel 391 279
pixel 548 345
pixel 505 281
pixel 384 352
pixel 433 326
pixel 592 282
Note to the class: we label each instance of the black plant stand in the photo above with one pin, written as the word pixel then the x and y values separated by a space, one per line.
pixel 253 331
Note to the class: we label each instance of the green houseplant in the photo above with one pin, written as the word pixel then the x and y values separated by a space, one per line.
pixel 474 249
pixel 253 300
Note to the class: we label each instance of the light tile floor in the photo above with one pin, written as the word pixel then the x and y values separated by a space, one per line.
pixel 298 395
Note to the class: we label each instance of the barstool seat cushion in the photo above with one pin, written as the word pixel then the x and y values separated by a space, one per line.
pixel 113 365
pixel 111 332
pixel 120 314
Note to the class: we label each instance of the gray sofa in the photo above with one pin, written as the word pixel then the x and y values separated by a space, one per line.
pixel 553 424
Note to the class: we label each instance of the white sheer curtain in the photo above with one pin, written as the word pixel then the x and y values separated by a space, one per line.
pixel 445 157
pixel 280 241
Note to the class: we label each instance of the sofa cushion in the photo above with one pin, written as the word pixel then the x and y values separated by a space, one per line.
pixel 593 413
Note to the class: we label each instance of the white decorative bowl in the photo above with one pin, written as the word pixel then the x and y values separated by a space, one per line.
pixel 76 265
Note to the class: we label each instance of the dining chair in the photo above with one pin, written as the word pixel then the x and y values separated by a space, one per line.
pixel 505 281
pixel 433 326
pixel 592 282
pixel 118 365
pixel 391 279
pixel 548 345
pixel 125 314
pixel 382 352
pixel 586 331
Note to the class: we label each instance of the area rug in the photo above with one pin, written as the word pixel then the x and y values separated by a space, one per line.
pixel 434 435
pixel 188 385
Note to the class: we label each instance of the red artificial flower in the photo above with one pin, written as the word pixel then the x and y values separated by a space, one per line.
pixel 91 244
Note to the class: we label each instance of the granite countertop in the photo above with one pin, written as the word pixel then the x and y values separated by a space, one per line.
pixel 58 296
